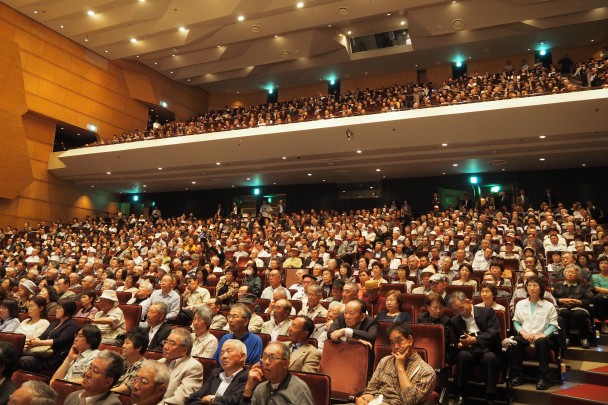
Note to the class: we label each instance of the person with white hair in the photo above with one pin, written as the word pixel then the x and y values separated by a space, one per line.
pixel 33 393
pixel 226 384
pixel 150 383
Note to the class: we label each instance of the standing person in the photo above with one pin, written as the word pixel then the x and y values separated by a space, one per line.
pixel 280 387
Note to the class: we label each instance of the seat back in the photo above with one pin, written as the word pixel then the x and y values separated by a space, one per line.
pixel 348 377
pixel 123 297
pixel 208 365
pixel 20 376
pixel 319 384
pixel 114 348
pixel 64 388
pixel 502 319
pixel 263 303
pixel 16 339
pixel 431 338
pixel 132 315
pixel 385 287
pixel 468 290
pixel 412 300
pixel 153 355
pixel 218 333
pixel 296 304
pixel 265 339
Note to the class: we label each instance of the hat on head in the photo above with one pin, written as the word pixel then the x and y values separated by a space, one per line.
pixel 511 234
pixel 247 299
pixel 396 229
pixel 428 269
pixel 92 250
pixel 508 243
pixel 165 268
pixel 294 249
pixel 309 276
pixel 109 295
pixel 29 285
pixel 437 277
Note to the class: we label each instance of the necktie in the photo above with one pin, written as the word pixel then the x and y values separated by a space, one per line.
pixel 293 347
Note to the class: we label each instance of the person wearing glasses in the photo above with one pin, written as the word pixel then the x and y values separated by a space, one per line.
pixel 226 384
pixel 186 373
pixel 280 387
pixel 103 373
pixel 238 320
pixel 150 383
pixel 82 353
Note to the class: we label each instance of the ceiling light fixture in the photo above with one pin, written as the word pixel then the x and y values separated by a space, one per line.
pixel 160 168
pixel 349 32
pixel 218 163
pixel 542 159
pixel 377 170
pixel 91 12
pixel 284 158
pixel 542 137
pixel 182 29
pixel 359 151
pixel 402 22
pixel 444 144
pixel 108 172
pixel 133 40
pixel 309 174
pixel 300 4
pixel 248 178
pixel 241 18
pixel 455 165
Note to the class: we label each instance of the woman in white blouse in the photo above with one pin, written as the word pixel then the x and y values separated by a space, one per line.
pixel 535 322
pixel 33 326
pixel 205 344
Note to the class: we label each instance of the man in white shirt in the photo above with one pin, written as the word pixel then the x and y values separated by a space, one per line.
pixel 274 278
pixel 279 324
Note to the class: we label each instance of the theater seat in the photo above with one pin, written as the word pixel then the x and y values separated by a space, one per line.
pixel 153 355
pixel 64 388
pixel 348 377
pixel 132 315
pixel 208 365
pixel 319 384
pixel 16 339
pixel 20 376
pixel 114 348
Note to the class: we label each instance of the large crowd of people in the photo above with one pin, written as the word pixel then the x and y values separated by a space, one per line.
pixel 512 82
pixel 214 287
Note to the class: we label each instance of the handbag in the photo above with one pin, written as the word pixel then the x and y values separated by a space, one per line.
pixel 39 351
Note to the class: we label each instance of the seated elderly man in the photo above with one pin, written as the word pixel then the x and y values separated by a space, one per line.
pixel 34 392
pixel 150 383
pixel 104 372
pixel 82 353
pixel 226 384
pixel 109 319
pixel 304 356
pixel 320 333
pixel 238 319
pixel 165 294
pixel 402 378
pixel 186 373
pixel 354 323
pixel 574 300
pixel 279 323
pixel 256 323
pixel 313 308
pixel 280 386
pixel 158 330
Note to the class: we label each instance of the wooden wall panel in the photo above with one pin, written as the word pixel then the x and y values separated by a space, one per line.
pixel 291 93
pixel 218 101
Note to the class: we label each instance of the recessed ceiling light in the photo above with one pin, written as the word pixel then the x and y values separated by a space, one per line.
pixel 349 32
pixel 377 170
pixel 444 144
pixel 284 158
pixel 194 182
pixel 300 4
pixel 329 26
pixel 186 188
pixel 156 63
pixel 359 151
pixel 142 1
pixel 218 163
pixel 248 178
pixel 542 137
pixel 584 164
pixel 219 46
pixel 274 183
pixel 171 72
pixel 61 26
pixel 402 22
pixel 106 51
pixel 324 180
pixel 188 79
pixel 371 187
pixel 173 54
pixel 86 39
pixel 108 172
pixel 503 169
pixel 145 186
pixel 443 173
pixel 388 14
pixel 160 168
pixel 542 159
pixel 92 186
pixel 276 36
pixel 233 186
pixel 182 29
pixel 309 174
pixel 241 18
pixel 90 12
pixel 455 165
pixel 133 40
pixel 593 40
pixel 35 12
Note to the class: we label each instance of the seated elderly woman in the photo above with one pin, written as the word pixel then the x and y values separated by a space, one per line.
pixel 574 300
pixel 488 295
pixel 205 344
pixel 392 313
pixel 535 321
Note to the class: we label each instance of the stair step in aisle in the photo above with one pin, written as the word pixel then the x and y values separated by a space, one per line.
pixel 582 394
pixel 598 376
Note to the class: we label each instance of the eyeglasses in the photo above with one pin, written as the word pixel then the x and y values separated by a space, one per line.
pixel 233 316
pixel 270 357
pixel 141 380
pixel 79 335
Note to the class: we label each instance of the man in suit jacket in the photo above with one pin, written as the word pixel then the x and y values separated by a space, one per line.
pixel 232 359
pixel 8 364
pixel 104 372
pixel 304 356
pixel 476 341
pixel 354 324
pixel 186 373
pixel 158 329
